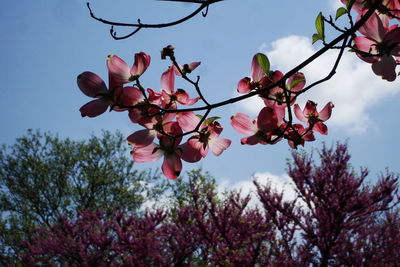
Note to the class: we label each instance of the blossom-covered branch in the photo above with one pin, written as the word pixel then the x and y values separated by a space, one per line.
pixel 165 121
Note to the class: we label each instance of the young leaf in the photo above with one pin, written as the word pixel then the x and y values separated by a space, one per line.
pixel 263 62
pixel 340 12
pixel 210 120
pixel 319 25
pixel 315 38
pixel 296 82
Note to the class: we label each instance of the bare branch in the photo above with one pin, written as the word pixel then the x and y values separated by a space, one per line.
pixel 139 25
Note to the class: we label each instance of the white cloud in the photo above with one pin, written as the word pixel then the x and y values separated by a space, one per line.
pixel 277 182
pixel 335 4
pixel 354 89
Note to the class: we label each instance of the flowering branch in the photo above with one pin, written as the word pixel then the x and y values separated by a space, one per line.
pixel 163 120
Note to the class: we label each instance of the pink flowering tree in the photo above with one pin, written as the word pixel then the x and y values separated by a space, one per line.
pixel 179 127
pixel 336 219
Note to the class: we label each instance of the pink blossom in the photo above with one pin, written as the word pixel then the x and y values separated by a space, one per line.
pixel 262 129
pixel 258 79
pixel 154 127
pixel 209 138
pixel 297 135
pixel 276 95
pixel 169 97
pixel 127 96
pixel 169 148
pixel 382 40
pixel 314 118
pixel 120 70
pixel 393 6
pixel 388 7
pixel 172 164
pixel 93 86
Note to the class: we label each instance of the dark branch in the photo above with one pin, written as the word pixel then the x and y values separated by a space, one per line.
pixel 138 26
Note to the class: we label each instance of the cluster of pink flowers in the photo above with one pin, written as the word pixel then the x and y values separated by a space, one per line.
pixel 379 43
pixel 270 125
pixel 163 128
pixel 165 125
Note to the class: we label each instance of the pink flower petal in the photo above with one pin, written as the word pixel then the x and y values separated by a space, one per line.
pixel 244 85
pixel 250 140
pixel 129 96
pixel 183 98
pixel 168 80
pixel 187 68
pixel 243 124
pixel 202 148
pixel 368 46
pixel 299 113
pixel 172 128
pixel 189 153
pixel 280 113
pixel 118 69
pixel 194 65
pixel 267 120
pixel 393 38
pixel 142 61
pixel 91 84
pixel 94 108
pixel 154 98
pixel 326 112
pixel 386 68
pixel 141 138
pixel 215 129
pixel 172 166
pixel 146 154
pixel 321 128
pixel 218 145
pixel 135 115
pixel 187 120
pixel 310 108
pixel 257 73
pixel 373 28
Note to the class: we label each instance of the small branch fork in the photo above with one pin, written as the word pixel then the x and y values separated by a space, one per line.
pixel 345 38
pixel 139 25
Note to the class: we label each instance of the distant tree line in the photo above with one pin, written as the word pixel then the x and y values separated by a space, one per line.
pixel 80 203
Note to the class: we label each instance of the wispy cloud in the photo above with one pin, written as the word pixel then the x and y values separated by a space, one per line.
pixel 354 89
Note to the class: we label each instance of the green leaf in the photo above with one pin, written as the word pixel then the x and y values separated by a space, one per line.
pixel 319 25
pixel 340 12
pixel 263 62
pixel 295 82
pixel 315 38
pixel 210 120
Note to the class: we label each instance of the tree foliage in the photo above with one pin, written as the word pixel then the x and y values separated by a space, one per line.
pixel 337 219
pixel 43 177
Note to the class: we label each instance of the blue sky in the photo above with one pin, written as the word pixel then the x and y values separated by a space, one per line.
pixel 47 43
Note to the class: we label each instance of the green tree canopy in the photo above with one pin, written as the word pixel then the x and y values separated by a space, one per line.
pixel 43 177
